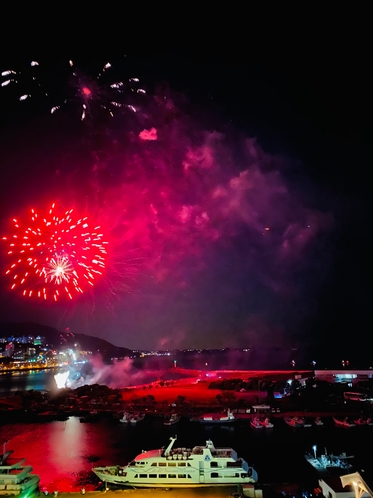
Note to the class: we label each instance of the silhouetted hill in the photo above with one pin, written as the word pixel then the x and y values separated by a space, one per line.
pixel 57 338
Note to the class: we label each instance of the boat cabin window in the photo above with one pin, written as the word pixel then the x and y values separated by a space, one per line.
pixel 214 474
pixel 143 476
pixel 154 464
pixel 172 476
pixel 162 464
pixel 153 476
pixel 181 464
pixel 213 464
pixel 172 464
pixel 162 476
pixel 182 476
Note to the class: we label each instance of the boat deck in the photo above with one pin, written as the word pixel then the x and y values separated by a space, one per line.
pixel 213 492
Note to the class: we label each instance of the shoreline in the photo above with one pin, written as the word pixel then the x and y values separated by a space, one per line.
pixel 205 492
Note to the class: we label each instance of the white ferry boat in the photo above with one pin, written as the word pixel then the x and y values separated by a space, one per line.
pixel 181 468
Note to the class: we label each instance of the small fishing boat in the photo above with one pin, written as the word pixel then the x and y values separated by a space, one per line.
pixel 294 421
pixel 174 418
pixel 266 423
pixel 125 418
pixel 330 464
pixel 255 423
pixel 137 417
pixel 216 418
pixel 343 422
pixel 363 421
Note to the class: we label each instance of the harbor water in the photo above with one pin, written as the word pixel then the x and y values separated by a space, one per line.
pixel 63 453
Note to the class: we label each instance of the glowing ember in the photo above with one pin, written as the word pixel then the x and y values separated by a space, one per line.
pixel 86 91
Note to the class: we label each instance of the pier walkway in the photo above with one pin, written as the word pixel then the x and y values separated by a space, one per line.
pixel 211 492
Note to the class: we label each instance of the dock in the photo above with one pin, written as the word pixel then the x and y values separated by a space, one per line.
pixel 204 492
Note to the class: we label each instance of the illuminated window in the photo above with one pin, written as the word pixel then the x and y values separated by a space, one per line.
pixel 172 464
pixel 181 464
pixel 162 464
pixel 155 464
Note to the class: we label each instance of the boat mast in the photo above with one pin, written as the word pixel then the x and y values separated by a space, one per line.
pixel 167 451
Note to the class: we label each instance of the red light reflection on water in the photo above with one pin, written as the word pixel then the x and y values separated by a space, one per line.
pixel 59 452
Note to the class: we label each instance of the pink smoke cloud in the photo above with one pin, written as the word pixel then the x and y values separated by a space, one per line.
pixel 148 134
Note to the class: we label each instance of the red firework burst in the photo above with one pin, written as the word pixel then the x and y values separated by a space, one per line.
pixel 55 256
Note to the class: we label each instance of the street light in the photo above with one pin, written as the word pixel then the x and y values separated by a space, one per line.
pixel 314 450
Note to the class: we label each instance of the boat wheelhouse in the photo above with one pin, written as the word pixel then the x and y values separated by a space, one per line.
pixel 17 478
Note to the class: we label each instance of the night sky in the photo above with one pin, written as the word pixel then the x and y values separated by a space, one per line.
pixel 236 200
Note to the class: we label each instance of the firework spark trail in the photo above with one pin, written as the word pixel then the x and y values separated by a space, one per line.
pixel 70 86
pixel 25 79
pixel 55 256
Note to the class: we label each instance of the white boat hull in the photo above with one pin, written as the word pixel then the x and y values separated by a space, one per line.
pixel 115 480
pixel 201 466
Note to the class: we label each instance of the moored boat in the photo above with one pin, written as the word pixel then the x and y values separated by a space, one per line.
pixel 125 418
pixel 132 418
pixel 137 417
pixel 216 418
pixel 17 479
pixel 266 423
pixel 255 423
pixel 172 419
pixel 294 421
pixel 363 421
pixel 331 464
pixel 181 468
pixel 343 422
